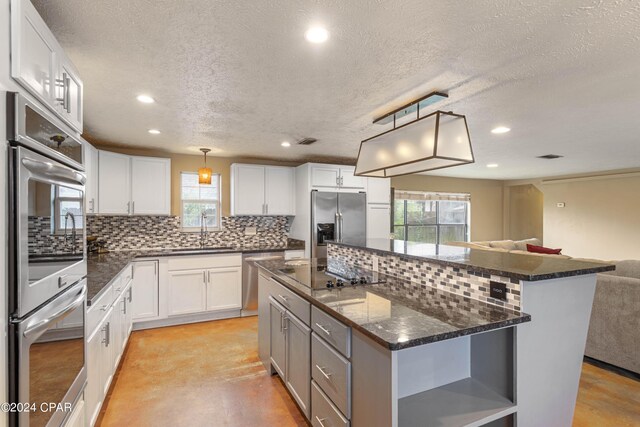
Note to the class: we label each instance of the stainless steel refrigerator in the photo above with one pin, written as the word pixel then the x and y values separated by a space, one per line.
pixel 337 216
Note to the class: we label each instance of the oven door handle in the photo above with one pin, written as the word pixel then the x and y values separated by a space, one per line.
pixel 38 326
pixel 52 171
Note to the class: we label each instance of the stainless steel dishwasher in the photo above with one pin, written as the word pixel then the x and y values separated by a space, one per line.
pixel 250 280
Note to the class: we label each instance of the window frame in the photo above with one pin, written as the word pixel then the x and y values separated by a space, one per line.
pixel 405 224
pixel 217 203
pixel 57 210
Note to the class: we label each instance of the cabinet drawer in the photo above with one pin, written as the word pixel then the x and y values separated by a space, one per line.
pixel 323 412
pixel 331 330
pixel 332 372
pixel 99 308
pixel 204 262
pixel 292 302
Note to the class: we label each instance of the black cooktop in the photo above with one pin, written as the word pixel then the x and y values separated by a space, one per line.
pixel 316 275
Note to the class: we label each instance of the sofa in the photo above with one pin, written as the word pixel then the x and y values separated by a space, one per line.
pixel 510 246
pixel 614 329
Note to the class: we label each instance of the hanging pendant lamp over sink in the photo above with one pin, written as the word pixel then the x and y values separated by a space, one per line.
pixel 204 173
pixel 435 141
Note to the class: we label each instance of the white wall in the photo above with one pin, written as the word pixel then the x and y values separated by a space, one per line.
pixel 601 217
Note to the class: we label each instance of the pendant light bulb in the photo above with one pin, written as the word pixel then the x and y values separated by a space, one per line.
pixel 204 173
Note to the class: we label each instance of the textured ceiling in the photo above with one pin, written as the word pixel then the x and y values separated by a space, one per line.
pixel 239 77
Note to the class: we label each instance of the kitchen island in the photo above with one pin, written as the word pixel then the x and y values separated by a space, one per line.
pixel 557 293
pixel 427 335
pixel 384 353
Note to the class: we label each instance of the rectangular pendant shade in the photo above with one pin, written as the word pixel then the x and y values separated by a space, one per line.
pixel 439 140
pixel 204 175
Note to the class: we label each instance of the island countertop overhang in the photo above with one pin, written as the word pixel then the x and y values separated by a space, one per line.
pixel 529 268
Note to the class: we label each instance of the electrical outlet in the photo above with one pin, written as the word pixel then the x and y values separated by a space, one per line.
pixel 374 263
pixel 250 231
pixel 497 290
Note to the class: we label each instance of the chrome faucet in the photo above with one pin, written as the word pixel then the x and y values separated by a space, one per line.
pixel 73 230
pixel 203 228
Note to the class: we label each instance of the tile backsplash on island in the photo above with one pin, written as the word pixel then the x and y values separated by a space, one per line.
pixel 157 232
pixel 422 274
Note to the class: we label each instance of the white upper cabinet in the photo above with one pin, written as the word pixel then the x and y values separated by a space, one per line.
pixel 247 190
pixel 279 190
pixel 336 178
pixel 69 93
pixel 133 185
pixel 349 180
pixel 40 65
pixel 325 176
pixel 33 51
pixel 379 190
pixel 262 190
pixel 114 183
pixel 150 186
pixel 91 167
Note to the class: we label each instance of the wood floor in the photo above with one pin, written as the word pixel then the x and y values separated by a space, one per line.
pixel 209 374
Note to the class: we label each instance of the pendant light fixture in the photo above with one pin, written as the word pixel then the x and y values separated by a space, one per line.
pixel 435 141
pixel 204 173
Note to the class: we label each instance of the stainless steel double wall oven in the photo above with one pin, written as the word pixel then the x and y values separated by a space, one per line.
pixel 47 266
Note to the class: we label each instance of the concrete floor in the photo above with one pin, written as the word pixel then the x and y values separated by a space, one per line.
pixel 208 374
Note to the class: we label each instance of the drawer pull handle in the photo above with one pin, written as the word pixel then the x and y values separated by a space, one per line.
pixel 320 420
pixel 283 298
pixel 325 330
pixel 322 371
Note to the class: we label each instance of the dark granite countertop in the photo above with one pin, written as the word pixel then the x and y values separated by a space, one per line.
pixel 515 266
pixel 103 268
pixel 398 314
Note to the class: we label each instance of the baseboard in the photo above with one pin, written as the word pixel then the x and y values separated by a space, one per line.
pixel 612 368
pixel 185 319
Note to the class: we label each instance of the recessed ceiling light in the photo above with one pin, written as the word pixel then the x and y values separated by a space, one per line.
pixel 500 129
pixel 154 131
pixel 286 144
pixel 317 35
pixel 492 165
pixel 145 99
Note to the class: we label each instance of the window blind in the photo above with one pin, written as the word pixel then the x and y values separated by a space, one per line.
pixel 422 195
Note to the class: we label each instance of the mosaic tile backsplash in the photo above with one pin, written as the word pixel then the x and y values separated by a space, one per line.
pixel 42 240
pixel 157 232
pixel 419 275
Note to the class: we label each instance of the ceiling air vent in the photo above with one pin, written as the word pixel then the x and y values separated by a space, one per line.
pixel 550 156
pixel 306 141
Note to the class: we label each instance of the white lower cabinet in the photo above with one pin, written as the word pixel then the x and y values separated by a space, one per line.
pixel 111 321
pixel 145 290
pixel 223 291
pixel 198 290
pixel 187 292
pixel 77 417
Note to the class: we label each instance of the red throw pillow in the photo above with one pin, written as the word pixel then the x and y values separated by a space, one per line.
pixel 543 250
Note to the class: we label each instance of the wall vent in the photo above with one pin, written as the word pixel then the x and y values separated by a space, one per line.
pixel 550 156
pixel 306 141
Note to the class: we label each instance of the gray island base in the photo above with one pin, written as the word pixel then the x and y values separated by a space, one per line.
pixel 417 351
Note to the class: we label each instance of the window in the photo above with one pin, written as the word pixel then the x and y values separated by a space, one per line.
pixel 431 217
pixel 198 199
pixel 67 201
